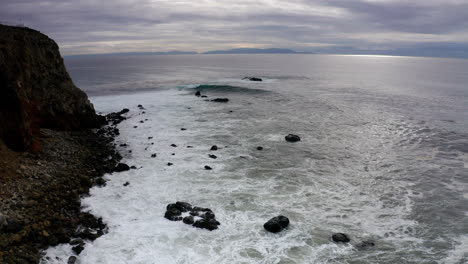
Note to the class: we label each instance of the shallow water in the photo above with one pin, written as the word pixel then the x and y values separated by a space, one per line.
pixel 383 157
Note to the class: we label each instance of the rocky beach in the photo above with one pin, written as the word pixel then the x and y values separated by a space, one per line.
pixel 51 151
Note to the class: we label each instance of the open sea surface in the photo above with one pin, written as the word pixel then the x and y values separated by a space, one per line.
pixel 383 158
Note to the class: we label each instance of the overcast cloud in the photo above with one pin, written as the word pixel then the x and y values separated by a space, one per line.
pixel 95 26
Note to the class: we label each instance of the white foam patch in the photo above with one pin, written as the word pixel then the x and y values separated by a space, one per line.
pixel 459 254
pixel 244 190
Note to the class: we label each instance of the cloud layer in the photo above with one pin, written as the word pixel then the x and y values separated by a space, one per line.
pixel 93 26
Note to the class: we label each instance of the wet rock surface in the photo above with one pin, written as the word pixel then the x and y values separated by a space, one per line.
pixel 220 100
pixel 292 138
pixel 340 238
pixel 198 217
pixel 276 224
pixel 253 79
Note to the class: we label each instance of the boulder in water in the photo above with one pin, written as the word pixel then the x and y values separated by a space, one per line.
pixel 340 237
pixel 189 220
pixel 276 224
pixel 121 167
pixel 253 79
pixel 210 224
pixel 173 215
pixel 214 147
pixel 220 100
pixel 198 93
pixel 292 138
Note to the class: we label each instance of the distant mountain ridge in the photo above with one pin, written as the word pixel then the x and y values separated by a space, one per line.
pixel 174 52
pixel 252 51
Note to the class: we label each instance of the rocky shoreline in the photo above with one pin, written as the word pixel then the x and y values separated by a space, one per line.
pixel 41 190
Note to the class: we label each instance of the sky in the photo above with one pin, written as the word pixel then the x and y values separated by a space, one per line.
pixel 367 26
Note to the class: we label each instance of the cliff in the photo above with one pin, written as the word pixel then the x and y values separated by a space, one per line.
pixel 36 90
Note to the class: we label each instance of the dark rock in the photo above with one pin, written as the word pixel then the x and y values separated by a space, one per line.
pixel 173 154
pixel 201 209
pixel 212 156
pixel 72 260
pixel 124 145
pixel 189 146
pixel 77 249
pixel 253 79
pixel 204 96
pixel 197 93
pixel 181 206
pixel 36 90
pixel 208 215
pixel 100 182
pixel 153 155
pixel 207 167
pixel 365 245
pixel 135 126
pixel 76 241
pixel 210 224
pixel 126 184
pixel 189 220
pixel 340 237
pixel 220 100
pixel 121 167
pixel 183 129
pixel 173 145
pixel 292 138
pixel 90 234
pixel 214 147
pixel 173 214
pixel 259 148
pixel 170 164
pixel 12 226
pixel 133 167
pixel 276 224
pixel 150 137
pixel 141 107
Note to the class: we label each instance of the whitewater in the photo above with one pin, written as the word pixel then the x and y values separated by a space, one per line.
pixel 383 157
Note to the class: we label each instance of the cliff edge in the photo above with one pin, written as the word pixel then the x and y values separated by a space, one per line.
pixel 36 90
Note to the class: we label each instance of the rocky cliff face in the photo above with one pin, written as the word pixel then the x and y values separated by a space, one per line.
pixel 36 90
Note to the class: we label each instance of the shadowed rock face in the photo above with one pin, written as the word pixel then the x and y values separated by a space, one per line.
pixel 36 90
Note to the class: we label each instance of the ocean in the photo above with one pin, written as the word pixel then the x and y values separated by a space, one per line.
pixel 383 157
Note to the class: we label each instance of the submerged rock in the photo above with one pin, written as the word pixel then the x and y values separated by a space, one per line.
pixel 292 138
pixel 214 147
pixel 253 79
pixel 208 167
pixel 198 93
pixel 259 148
pixel 365 245
pixel 212 156
pixel 340 238
pixel 276 224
